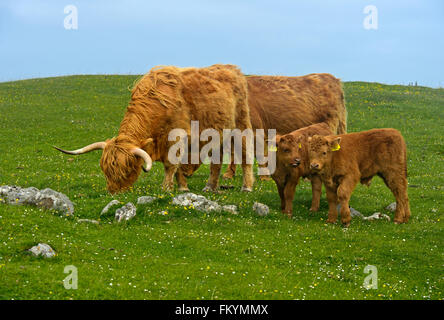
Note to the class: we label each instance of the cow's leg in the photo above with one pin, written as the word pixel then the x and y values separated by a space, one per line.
pixel 231 169
pixel 266 173
pixel 397 183
pixel 230 172
pixel 344 192
pixel 289 196
pixel 181 180
pixel 316 190
pixel 213 181
pixel 168 181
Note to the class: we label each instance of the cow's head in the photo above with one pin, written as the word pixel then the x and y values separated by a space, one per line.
pixel 320 150
pixel 289 150
pixel 121 161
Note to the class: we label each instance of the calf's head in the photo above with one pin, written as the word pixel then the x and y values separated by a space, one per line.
pixel 121 162
pixel 320 150
pixel 289 151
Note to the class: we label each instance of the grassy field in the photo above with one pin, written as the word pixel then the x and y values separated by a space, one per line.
pixel 190 255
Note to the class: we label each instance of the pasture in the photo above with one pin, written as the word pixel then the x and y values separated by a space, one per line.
pixel 187 254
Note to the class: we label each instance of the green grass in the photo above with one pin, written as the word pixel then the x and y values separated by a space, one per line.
pixel 190 255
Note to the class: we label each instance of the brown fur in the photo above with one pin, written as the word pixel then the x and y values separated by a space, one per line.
pixel 292 163
pixel 289 103
pixel 167 98
pixel 361 156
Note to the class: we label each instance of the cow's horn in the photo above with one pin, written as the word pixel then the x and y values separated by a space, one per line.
pixel 88 148
pixel 145 156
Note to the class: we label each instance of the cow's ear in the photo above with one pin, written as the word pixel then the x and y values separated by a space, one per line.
pixel 147 143
pixel 335 144
pixel 309 139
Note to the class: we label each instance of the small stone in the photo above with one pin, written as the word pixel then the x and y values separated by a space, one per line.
pixel 42 249
pixel 198 202
pixel 391 207
pixel 88 221
pixel 109 205
pixel 355 213
pixel 377 216
pixel 126 212
pixel 261 209
pixel 145 199
pixel 230 208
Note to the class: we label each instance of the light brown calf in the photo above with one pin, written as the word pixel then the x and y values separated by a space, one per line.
pixel 344 160
pixel 292 163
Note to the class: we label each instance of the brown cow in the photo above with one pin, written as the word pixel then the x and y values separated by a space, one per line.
pixel 344 160
pixel 292 163
pixel 289 103
pixel 169 98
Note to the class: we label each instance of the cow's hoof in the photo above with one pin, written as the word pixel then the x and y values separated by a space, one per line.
pixel 246 189
pixel 264 178
pixel 346 224
pixel 183 189
pixel 314 209
pixel 331 221
pixel 208 189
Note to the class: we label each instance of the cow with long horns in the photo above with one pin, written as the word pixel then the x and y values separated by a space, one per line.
pixel 169 98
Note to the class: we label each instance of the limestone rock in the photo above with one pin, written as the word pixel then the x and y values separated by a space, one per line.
pixel 42 249
pixel 126 212
pixel 391 207
pixel 199 202
pixel 145 199
pixel 109 205
pixel 261 209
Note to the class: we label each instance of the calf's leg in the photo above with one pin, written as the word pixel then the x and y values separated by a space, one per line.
pixel 344 192
pixel 332 199
pixel 397 183
pixel 316 190
pixel 289 195
pixel 168 181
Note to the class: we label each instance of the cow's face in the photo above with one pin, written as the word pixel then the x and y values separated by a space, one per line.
pixel 320 150
pixel 120 166
pixel 289 151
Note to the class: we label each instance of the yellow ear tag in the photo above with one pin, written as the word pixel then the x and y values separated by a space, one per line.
pixel 300 146
pixel 272 149
pixel 336 148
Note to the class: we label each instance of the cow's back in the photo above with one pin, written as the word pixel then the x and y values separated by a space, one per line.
pixel 290 103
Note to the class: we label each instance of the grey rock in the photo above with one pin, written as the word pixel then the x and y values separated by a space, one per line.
pixel 356 213
pixel 391 207
pixel 230 208
pixel 145 199
pixel 126 212
pixel 261 209
pixel 377 216
pixel 46 198
pixel 109 205
pixel 42 249
pixel 199 202
pixel 50 199
pixel 88 221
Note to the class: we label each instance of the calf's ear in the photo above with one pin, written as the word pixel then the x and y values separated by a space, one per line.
pixel 335 144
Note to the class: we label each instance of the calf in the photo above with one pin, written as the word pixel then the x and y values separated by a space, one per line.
pixel 292 163
pixel 344 160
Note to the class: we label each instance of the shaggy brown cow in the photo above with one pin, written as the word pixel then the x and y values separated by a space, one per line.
pixel 168 98
pixel 292 163
pixel 290 103
pixel 344 160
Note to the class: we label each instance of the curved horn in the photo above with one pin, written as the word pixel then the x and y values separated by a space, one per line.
pixel 145 156
pixel 88 148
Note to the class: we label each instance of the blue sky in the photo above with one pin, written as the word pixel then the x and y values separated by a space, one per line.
pixel 262 37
